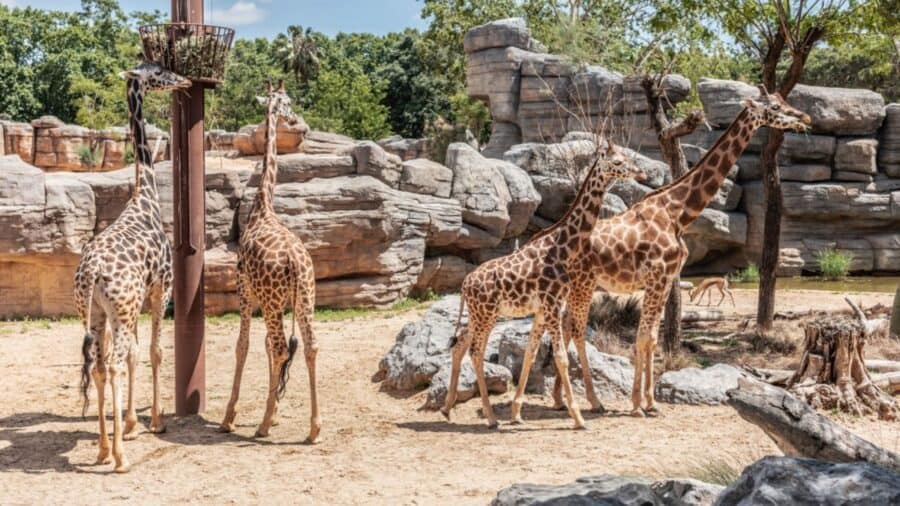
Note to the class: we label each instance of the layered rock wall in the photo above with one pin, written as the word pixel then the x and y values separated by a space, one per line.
pixel 52 145
pixel 841 186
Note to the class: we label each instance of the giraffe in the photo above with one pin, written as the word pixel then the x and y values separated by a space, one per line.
pixel 642 248
pixel 274 270
pixel 127 262
pixel 534 280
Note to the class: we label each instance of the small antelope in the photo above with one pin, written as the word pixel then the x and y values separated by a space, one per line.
pixel 704 288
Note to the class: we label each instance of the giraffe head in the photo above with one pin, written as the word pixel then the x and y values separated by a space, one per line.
pixel 618 165
pixel 282 103
pixel 152 76
pixel 771 110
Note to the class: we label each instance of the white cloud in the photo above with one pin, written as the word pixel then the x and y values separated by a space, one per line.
pixel 8 3
pixel 241 13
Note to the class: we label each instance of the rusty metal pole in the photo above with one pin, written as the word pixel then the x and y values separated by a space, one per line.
pixel 189 171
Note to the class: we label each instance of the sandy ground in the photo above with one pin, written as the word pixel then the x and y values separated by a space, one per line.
pixel 375 447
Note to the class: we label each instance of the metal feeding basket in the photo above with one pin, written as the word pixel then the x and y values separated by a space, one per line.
pixel 198 52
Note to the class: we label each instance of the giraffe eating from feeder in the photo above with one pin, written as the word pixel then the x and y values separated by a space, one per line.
pixel 129 261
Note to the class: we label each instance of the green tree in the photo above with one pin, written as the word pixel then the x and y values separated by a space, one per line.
pixel 298 52
pixel 345 101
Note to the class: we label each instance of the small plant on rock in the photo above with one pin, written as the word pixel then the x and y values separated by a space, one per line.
pixel 834 264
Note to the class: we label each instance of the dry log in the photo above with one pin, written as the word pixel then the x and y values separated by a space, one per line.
pixel 889 382
pixel 777 377
pixel 832 372
pixel 707 315
pixel 876 365
pixel 801 432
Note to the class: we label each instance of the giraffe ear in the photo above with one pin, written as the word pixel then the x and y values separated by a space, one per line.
pixel 749 102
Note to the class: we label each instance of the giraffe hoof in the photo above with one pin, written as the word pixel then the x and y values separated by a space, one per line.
pixel 157 428
pixel 130 436
pixel 122 467
pixel 226 428
pixel 580 426
pixel 560 407
pixel 517 421
pixel 103 457
pixel 493 425
pixel 637 413
pixel 446 413
pixel 598 409
pixel 652 412
pixel 262 433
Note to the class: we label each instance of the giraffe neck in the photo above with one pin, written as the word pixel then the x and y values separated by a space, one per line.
pixel 269 169
pixel 576 225
pixel 145 177
pixel 689 195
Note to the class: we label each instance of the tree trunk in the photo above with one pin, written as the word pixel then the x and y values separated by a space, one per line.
pixel 832 372
pixel 895 315
pixel 801 432
pixel 672 320
pixel 768 262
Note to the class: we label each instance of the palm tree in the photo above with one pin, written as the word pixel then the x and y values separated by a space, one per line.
pixel 298 53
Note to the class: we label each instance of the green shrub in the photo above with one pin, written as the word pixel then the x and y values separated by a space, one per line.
pixel 833 263
pixel 90 158
pixel 749 274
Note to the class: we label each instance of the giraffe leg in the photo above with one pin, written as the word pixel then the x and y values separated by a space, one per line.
pixel 99 375
pixel 722 298
pixel 131 420
pixel 732 297
pixel 576 322
pixel 636 384
pixel 310 350
pixel 534 344
pixel 558 403
pixel 648 331
pixel 276 347
pixel 240 351
pixel 158 301
pixel 123 341
pixel 459 351
pixel 479 342
pixel 561 356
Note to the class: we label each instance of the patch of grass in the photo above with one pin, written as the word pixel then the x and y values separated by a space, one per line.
pixel 331 315
pixel 401 306
pixel 749 274
pixel 719 472
pixel 834 264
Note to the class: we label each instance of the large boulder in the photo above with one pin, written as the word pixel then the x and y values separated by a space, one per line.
pixel 421 175
pixel 482 191
pixel 612 375
pixel 788 480
pixel 406 149
pixel 722 99
pixel 889 143
pixel 611 490
pixel 525 199
pixel 856 155
pixel 373 160
pixel 510 32
pixel 316 142
pixel 698 386
pixel 496 376
pixel 301 167
pixel 251 139
pixel 367 240
pixel 840 111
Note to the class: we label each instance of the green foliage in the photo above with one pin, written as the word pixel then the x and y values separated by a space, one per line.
pixel 749 274
pixel 834 264
pixel 90 156
pixel 347 102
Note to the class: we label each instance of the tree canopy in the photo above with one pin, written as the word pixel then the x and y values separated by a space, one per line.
pixel 364 85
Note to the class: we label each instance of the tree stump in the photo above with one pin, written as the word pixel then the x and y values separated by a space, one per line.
pixel 832 372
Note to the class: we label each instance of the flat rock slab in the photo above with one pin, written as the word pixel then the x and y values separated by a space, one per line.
pixel 611 490
pixel 787 480
pixel 698 386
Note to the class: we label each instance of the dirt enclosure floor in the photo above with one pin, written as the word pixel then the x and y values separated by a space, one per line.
pixel 375 448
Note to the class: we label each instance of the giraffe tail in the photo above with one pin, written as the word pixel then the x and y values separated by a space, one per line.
pixel 284 375
pixel 86 346
pixel 462 305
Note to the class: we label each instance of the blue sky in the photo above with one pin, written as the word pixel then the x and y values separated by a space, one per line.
pixel 252 18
